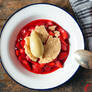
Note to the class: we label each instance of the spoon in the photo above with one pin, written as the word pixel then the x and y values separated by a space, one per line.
pixel 84 58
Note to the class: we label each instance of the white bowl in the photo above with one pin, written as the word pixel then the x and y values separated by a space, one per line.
pixel 8 37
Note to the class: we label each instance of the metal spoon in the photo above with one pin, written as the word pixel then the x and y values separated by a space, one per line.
pixel 84 58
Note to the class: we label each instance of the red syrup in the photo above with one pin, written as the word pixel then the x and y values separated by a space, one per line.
pixel 35 67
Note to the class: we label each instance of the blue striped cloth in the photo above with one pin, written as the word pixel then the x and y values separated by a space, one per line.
pixel 83 13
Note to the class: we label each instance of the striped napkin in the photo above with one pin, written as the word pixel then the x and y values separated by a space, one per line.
pixel 83 13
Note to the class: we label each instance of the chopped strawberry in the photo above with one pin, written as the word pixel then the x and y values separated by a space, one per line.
pixel 62 55
pixel 42 65
pixel 22 51
pixel 65 35
pixel 28 33
pixel 58 64
pixel 60 29
pixel 22 43
pixel 20 58
pixel 31 28
pixel 63 44
pixel 27 58
pixel 18 45
pixel 30 61
pixel 34 62
pixel 23 32
pixel 23 55
pixel 51 64
pixel 47 68
pixel 51 33
pixel 26 64
pixel 64 47
pixel 17 52
pixel 19 37
pixel 62 40
pixel 36 68
pixel 50 23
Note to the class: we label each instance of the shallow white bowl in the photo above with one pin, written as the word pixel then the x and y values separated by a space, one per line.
pixel 10 31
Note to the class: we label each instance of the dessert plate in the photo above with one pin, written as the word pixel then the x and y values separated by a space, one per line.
pixel 10 30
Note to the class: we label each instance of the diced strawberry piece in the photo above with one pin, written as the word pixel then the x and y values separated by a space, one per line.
pixel 27 33
pixel 22 43
pixel 49 23
pixel 36 68
pixel 31 28
pixel 42 65
pixel 58 64
pixel 23 32
pixel 20 58
pixel 60 29
pixel 65 35
pixel 63 44
pixel 23 55
pixel 64 47
pixel 40 23
pixel 52 64
pixel 19 37
pixel 47 68
pixel 34 62
pixel 62 40
pixel 62 55
pixel 18 45
pixel 18 40
pixel 51 33
pixel 26 64
pixel 22 51
pixel 27 58
pixel 17 52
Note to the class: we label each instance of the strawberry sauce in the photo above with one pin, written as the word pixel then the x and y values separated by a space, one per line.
pixel 35 67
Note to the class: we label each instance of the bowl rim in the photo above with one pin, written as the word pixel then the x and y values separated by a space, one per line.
pixel 5 25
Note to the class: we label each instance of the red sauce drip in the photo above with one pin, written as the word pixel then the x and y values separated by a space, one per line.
pixel 35 67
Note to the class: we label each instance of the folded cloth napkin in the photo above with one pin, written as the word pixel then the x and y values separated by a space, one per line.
pixel 83 13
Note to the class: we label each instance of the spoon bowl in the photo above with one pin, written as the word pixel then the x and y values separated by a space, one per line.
pixel 84 58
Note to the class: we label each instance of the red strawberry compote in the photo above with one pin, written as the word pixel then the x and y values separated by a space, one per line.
pixel 54 30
